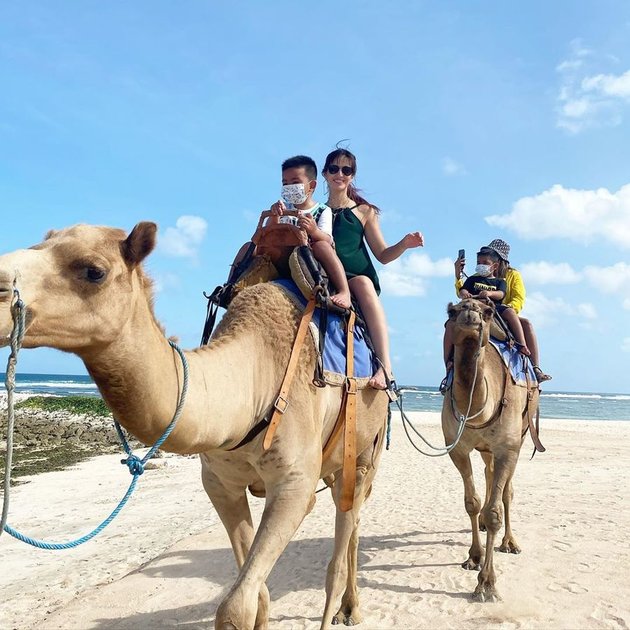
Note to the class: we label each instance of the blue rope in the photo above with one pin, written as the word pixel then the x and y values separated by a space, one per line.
pixel 133 462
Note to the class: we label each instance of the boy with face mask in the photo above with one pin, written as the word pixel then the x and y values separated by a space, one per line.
pixel 299 180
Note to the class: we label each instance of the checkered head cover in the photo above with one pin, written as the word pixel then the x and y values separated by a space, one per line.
pixel 501 248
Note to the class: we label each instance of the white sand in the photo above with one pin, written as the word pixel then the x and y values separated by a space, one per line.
pixel 165 562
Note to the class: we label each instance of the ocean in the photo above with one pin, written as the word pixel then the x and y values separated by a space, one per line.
pixel 572 405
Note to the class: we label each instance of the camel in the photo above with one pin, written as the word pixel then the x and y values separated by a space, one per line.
pixel 86 293
pixel 498 412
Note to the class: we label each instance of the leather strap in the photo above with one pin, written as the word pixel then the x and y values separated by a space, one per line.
pixel 282 401
pixel 349 471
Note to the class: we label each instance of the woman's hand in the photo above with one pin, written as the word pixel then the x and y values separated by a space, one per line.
pixel 459 267
pixel 413 239
pixel 483 294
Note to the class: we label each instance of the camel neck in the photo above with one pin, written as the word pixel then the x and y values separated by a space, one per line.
pixel 141 381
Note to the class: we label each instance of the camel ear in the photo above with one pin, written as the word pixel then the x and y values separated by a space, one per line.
pixel 450 310
pixel 140 243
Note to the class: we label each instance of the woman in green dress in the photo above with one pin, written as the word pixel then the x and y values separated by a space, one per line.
pixel 355 228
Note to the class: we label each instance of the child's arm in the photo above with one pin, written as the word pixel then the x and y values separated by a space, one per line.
pixel 315 233
pixel 493 295
pixel 379 247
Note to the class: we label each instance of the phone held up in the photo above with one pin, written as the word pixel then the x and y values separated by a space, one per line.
pixel 461 255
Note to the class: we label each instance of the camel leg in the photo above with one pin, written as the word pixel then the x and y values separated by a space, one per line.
pixel 504 466
pixel 289 496
pixel 233 510
pixel 508 544
pixel 472 503
pixel 342 569
pixel 488 473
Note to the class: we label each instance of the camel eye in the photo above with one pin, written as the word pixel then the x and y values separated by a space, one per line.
pixel 95 275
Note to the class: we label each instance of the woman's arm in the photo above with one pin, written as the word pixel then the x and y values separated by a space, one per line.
pixel 377 244
pixel 515 292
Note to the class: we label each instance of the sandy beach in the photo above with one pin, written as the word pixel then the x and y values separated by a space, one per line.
pixel 165 562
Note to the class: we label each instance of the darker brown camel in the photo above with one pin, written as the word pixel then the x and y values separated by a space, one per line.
pixel 86 293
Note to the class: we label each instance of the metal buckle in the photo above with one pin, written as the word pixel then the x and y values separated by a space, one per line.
pixel 281 404
pixel 351 386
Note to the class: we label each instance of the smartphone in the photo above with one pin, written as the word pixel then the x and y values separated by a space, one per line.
pixel 461 255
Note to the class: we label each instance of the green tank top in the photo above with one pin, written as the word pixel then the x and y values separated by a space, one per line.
pixel 350 246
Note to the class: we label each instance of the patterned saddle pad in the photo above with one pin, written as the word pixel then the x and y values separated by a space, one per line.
pixel 334 359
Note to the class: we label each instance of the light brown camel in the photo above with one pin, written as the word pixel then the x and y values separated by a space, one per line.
pixel 86 293
pixel 498 418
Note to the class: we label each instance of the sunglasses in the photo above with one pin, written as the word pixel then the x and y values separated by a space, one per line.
pixel 346 170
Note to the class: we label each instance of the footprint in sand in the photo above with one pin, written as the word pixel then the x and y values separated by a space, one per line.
pixel 560 545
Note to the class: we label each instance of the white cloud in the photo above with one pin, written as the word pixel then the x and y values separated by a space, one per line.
pixel 451 167
pixel 589 100
pixel 579 215
pixel 166 281
pixel 587 310
pixel 626 304
pixel 608 279
pixel 544 311
pixel 625 344
pixel 408 276
pixel 549 273
pixel 183 240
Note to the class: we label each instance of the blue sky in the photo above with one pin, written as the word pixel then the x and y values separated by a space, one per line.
pixel 470 121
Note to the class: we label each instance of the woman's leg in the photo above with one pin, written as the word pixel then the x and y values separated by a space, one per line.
pixel 448 343
pixel 532 344
pixel 363 289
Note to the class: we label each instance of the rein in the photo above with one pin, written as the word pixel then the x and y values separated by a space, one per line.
pixel 461 418
pixel 134 463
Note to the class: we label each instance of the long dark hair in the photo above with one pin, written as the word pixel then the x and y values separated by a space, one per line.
pixel 353 191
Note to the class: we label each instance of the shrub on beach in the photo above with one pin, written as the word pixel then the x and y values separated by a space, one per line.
pixel 83 405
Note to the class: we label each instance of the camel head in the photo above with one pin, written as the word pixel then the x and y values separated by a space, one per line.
pixel 470 318
pixel 81 286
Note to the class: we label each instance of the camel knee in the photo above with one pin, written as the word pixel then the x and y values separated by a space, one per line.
pixel 493 518
pixel 473 505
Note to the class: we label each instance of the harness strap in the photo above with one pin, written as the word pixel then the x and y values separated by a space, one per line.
pixel 349 471
pixel 282 401
pixel 533 428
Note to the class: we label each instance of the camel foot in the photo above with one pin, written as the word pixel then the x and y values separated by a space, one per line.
pixel 486 594
pixel 346 620
pixel 471 565
pixel 509 546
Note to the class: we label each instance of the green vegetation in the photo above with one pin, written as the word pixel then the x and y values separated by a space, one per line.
pixel 30 462
pixel 86 405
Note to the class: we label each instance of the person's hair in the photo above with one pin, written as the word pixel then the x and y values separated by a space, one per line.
pixel 297 161
pixel 503 267
pixel 354 193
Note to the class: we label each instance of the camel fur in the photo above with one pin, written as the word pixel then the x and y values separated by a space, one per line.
pixel 86 293
pixel 497 432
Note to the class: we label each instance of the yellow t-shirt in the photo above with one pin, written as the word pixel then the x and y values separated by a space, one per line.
pixel 515 293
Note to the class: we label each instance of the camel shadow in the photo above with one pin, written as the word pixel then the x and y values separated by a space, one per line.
pixel 304 563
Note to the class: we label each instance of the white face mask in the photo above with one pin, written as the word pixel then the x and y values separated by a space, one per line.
pixel 294 194
pixel 483 270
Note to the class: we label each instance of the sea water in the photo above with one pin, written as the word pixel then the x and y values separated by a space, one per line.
pixel 577 405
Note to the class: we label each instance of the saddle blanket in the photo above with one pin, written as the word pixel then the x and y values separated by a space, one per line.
pixel 334 359
pixel 520 366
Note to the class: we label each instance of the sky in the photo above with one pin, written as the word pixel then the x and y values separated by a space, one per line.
pixel 470 121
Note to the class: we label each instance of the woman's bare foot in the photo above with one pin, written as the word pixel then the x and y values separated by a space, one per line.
pixel 378 380
pixel 541 376
pixel 341 299
pixel 523 349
